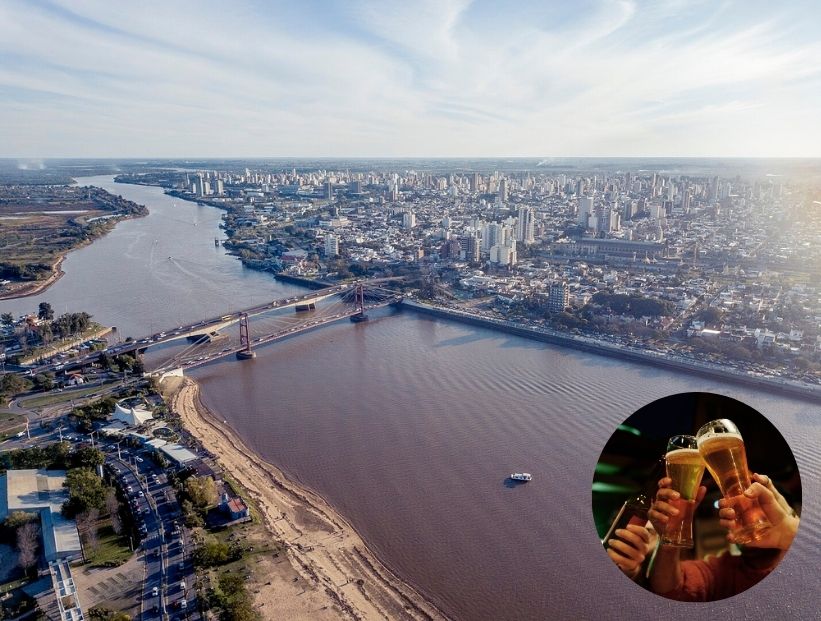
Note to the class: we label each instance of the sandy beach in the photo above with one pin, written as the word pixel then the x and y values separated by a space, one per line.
pixel 336 575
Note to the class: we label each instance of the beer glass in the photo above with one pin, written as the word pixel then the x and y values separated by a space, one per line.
pixel 685 467
pixel 722 448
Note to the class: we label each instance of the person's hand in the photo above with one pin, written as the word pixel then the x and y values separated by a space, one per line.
pixel 663 508
pixel 631 546
pixel 775 508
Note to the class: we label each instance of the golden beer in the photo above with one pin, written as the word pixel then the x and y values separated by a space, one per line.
pixel 685 467
pixel 722 448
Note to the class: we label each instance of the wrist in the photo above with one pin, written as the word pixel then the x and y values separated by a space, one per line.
pixel 788 528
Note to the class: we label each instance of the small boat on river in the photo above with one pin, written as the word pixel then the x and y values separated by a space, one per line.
pixel 521 476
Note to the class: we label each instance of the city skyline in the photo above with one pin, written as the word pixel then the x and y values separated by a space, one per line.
pixel 457 79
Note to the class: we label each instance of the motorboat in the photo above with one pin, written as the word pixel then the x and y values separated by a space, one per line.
pixel 521 476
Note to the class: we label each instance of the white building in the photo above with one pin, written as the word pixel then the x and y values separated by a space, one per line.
pixel 526 226
pixel 331 245
pixel 585 210
pixel 133 411
pixel 42 492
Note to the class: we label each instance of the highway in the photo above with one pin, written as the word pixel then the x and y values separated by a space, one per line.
pixel 168 588
pixel 201 327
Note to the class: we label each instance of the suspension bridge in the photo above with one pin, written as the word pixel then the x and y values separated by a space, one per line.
pixel 313 310
pixel 207 341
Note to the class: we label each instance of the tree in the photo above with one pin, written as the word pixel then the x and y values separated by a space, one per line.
pixel 11 384
pixel 28 543
pixel 7 319
pixel 16 519
pixel 44 381
pixel 87 528
pixel 202 491
pixel 45 332
pixel 87 457
pixel 212 552
pixel 192 518
pixel 234 599
pixel 45 312
pixel 112 505
pixel 101 613
pixel 85 491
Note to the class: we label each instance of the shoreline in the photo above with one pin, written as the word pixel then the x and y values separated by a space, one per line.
pixel 791 388
pixel 38 286
pixel 319 543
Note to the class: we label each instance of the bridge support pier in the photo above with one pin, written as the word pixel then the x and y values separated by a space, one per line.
pixel 244 340
pixel 359 292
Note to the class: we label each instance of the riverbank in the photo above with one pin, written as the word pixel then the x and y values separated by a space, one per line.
pixel 26 289
pixel 656 359
pixel 321 546
pixel 76 217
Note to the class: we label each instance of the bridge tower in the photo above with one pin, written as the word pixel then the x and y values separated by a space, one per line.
pixel 359 300
pixel 244 339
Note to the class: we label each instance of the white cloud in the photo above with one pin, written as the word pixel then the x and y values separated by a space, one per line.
pixel 426 78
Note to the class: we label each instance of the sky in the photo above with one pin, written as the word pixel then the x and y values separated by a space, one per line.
pixel 434 78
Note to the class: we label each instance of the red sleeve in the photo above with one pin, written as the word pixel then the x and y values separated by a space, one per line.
pixel 715 578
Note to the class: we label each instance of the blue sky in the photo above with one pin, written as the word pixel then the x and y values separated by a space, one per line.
pixel 432 78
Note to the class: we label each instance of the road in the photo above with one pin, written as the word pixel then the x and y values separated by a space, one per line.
pixel 166 544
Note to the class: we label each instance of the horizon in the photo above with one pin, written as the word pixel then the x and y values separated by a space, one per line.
pixel 21 158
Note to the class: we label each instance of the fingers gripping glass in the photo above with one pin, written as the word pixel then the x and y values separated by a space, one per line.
pixel 722 449
pixel 685 467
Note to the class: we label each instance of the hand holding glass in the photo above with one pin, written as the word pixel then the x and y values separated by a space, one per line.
pixel 685 467
pixel 722 448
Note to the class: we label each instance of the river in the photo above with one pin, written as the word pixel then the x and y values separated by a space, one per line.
pixel 409 426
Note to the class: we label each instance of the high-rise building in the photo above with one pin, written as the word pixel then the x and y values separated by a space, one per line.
pixel 558 297
pixel 470 248
pixel 526 226
pixel 474 182
pixel 331 245
pixel 408 220
pixel 504 254
pixel 492 235
pixel 328 190
pixel 450 249
pixel 503 190
pixel 585 210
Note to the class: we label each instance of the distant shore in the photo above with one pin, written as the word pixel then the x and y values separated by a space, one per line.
pixel 27 289
pixel 321 545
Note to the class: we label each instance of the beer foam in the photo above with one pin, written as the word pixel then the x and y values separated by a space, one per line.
pixel 712 435
pixel 682 452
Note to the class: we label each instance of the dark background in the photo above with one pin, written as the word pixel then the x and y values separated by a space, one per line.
pixel 632 460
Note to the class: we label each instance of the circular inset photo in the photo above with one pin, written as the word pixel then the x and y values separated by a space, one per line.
pixel 696 497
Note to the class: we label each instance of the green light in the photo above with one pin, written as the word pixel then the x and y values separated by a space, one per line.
pixel 629 429
pixel 605 468
pixel 613 488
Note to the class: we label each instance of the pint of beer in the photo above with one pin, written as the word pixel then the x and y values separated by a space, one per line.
pixel 722 448
pixel 685 467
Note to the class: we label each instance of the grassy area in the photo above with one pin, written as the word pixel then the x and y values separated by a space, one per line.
pixel 59 397
pixel 112 549
pixel 14 584
pixel 9 422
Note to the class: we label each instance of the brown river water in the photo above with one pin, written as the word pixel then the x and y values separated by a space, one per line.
pixel 410 425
